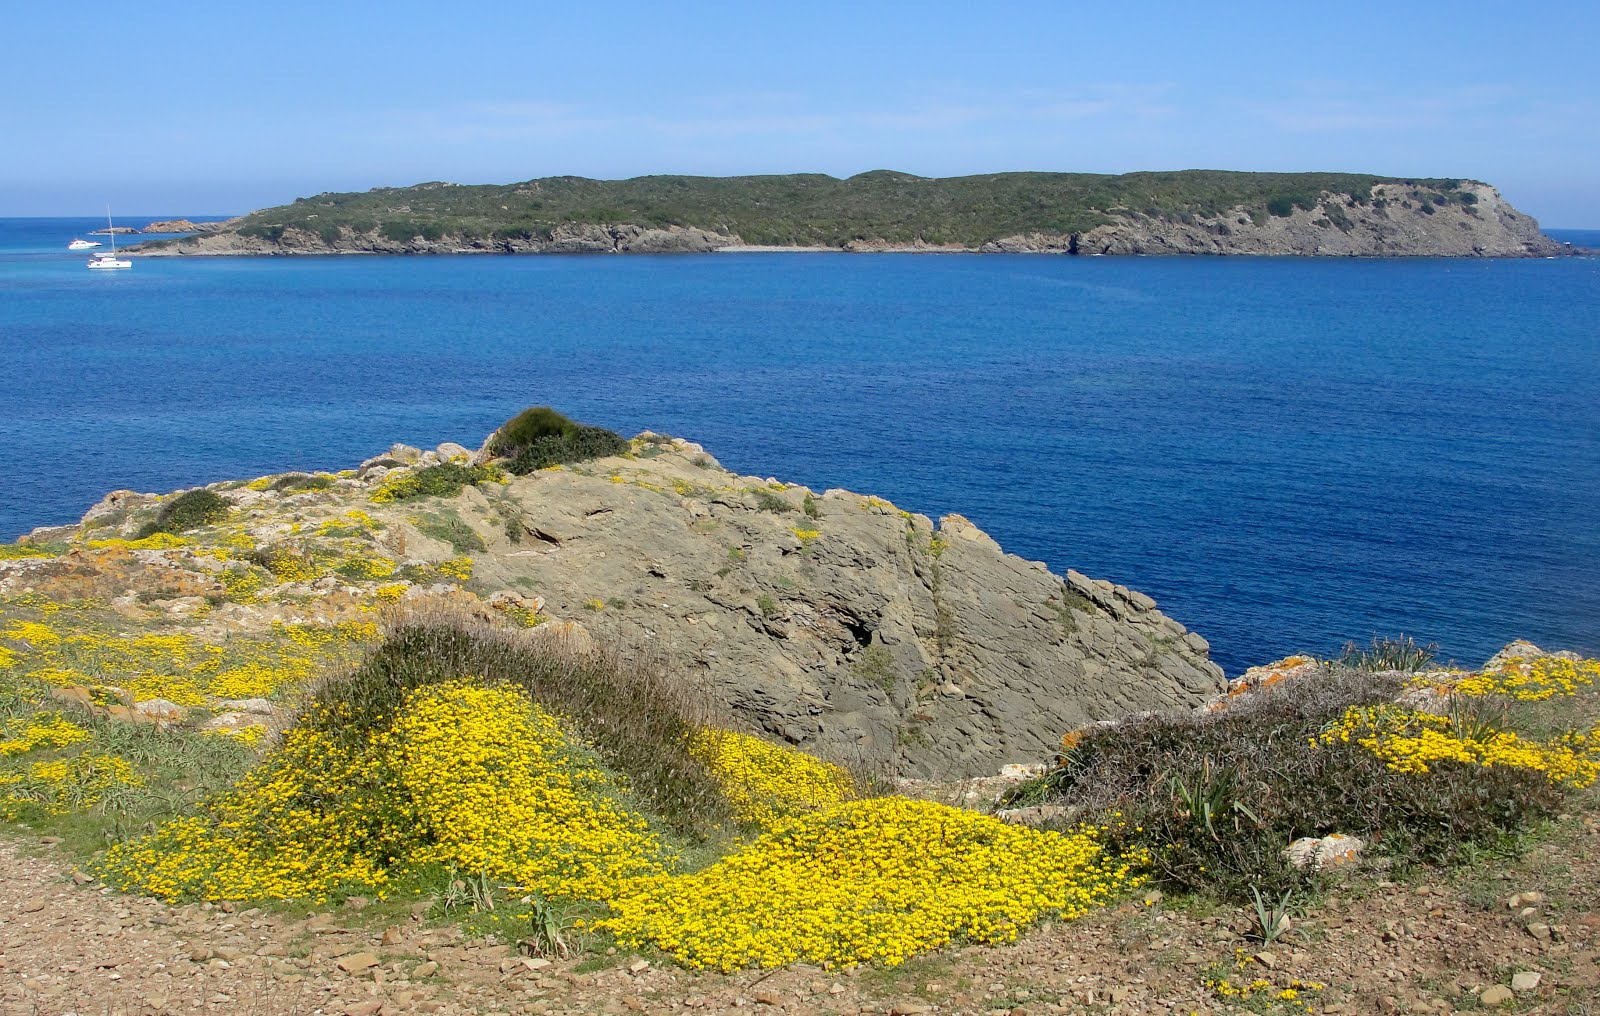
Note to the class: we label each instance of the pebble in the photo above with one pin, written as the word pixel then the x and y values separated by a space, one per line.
pixel 1497 994
pixel 355 963
pixel 1526 981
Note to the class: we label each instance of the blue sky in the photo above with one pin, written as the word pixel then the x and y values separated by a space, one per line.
pixel 189 107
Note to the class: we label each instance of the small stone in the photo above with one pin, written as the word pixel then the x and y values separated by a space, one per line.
pixel 1266 959
pixel 638 966
pixel 427 969
pixel 33 906
pixel 367 1008
pixel 1526 981
pixel 836 988
pixel 1540 931
pixel 769 998
pixel 1497 994
pixel 634 1003
pixel 393 936
pixel 909 1009
pixel 357 962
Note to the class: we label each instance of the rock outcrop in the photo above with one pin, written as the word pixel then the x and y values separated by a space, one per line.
pixel 1398 221
pixel 183 226
pixel 832 620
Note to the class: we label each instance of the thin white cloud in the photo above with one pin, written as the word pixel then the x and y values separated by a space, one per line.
pixel 762 114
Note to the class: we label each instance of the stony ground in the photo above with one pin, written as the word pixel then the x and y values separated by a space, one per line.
pixel 1432 942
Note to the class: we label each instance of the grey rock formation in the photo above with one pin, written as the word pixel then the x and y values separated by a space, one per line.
pixel 881 638
pixel 1397 221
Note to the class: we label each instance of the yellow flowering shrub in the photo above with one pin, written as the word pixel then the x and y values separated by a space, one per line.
pixel 764 782
pixel 42 730
pixel 870 881
pixel 1532 680
pixel 18 551
pixel 458 568
pixel 365 566
pixel 491 782
pixel 155 541
pixel 1410 741
pixel 392 592
pixel 290 829
pixel 67 784
pixel 467 776
pixel 179 689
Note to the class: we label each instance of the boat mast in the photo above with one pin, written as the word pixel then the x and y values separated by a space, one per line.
pixel 111 232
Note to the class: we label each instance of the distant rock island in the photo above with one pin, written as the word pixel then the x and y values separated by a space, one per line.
pixel 1187 212
pixel 183 226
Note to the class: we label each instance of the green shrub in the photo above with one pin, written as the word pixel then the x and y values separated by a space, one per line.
pixel 1281 207
pixel 399 232
pixel 450 528
pixel 529 426
pixel 767 501
pixel 1215 798
pixel 188 511
pixel 446 479
pixel 584 444
pixel 876 667
pixel 297 483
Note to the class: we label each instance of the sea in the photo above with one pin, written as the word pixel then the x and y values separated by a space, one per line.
pixel 1287 453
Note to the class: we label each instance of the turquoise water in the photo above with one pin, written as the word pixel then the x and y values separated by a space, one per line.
pixel 1287 453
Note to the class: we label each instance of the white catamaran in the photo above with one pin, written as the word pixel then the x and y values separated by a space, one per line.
pixel 108 258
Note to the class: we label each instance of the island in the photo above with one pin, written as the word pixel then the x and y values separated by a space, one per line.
pixel 1184 212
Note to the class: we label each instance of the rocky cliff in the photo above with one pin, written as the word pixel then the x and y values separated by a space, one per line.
pixel 1399 220
pixel 833 620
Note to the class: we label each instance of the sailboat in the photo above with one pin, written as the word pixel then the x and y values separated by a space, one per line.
pixel 109 259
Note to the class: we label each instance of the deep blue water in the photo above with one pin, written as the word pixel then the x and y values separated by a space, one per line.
pixel 1287 453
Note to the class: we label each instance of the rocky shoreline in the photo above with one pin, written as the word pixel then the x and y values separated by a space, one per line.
pixel 1394 220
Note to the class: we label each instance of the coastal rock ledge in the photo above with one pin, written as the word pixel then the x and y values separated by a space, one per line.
pixel 832 620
